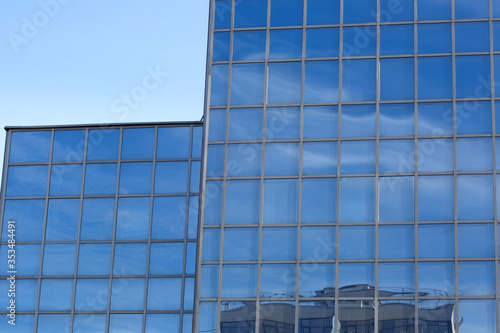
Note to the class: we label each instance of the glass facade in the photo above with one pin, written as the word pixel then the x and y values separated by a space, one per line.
pixel 105 228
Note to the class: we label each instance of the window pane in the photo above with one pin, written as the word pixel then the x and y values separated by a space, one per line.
pixel 242 202
pixel 241 244
pixel 53 323
pixel 466 10
pixel 194 206
pixel 315 279
pixel 321 82
pixel 68 146
pixel 436 241
pixel 135 178
pixel 281 201
pixel 215 160
pixel 62 219
pixel 245 124
pixel 209 281
pixel 283 123
pixel 360 11
pixel 213 203
pixel 244 160
pixel 239 281
pixel 208 317
pixel 434 38
pixel 66 179
pixel 435 155
pixel 320 122
pixel 157 323
pixel 322 43
pixel 358 273
pixel 59 259
pixel 97 219
pixel 397 120
pixel 29 216
pixel 282 159
pixel 320 158
pixel 435 198
pixel 171 177
pixel 100 179
pixel 273 312
pixel 358 121
pixel 222 14
pixel 23 323
pixel 476 240
pixel 397 278
pixel 91 295
pixel 478 314
pixel 279 243
pixel 476 278
pixel 436 278
pixel 397 199
pixel 188 294
pixel 434 10
pixel 357 199
pixel 357 157
pixel 357 242
pixel 396 156
pixel 323 12
pixel 472 36
pixel 317 243
pixel 56 295
pixel 474 118
pixel 130 259
pixel 89 322
pixel 133 218
pixel 26 293
pixel 319 200
pixel 30 147
pixel 94 259
pixel 471 72
pixel 278 281
pixel 285 44
pixel 28 255
pixel 475 197
pixel 360 41
pixel 396 79
pixel 218 93
pixel 197 138
pixel 221 42
pixel 435 78
pixel 169 217
pixel 138 143
pixel 211 244
pixel 474 154
pixel 126 323
pixel 286 12
pixel 284 83
pixel 396 11
pixel 396 242
pixel 164 294
pixel 249 45
pixel 166 258
pixel 27 181
pixel 103 144
pixel 194 182
pixel 396 39
pixel 250 14
pixel 435 119
pixel 359 80
pixel 496 36
pixel 247 84
pixel 173 142
pixel 127 294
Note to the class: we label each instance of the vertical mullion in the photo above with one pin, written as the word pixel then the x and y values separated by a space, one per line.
pixel 415 98
pixel 4 178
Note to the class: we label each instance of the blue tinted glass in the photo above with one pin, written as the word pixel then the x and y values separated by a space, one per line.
pixel 244 160
pixel 26 293
pixel 89 322
pixel 245 124
pixel 279 243
pixel 94 259
pixel 396 156
pixel 28 255
pixel 397 120
pixel 173 142
pixel 496 36
pixel 239 281
pixel 472 71
pixel 278 281
pixel 166 258
pixel 249 45
pixel 56 294
pixel 320 122
pixel 215 160
pixel 474 154
pixel 208 317
pixel 29 216
pixel 30 147
pixel 24 323
pixel 435 155
pixel 66 179
pixel 434 38
pixel 62 219
pixel 315 278
pixel 242 202
pixel 436 241
pixel 251 13
pixel 157 323
pixel 164 294
pixel 475 197
pixel 218 95
pixel 53 323
pixel 282 159
pixel 360 11
pixel 241 244
pixel 317 243
pixel 476 240
pixel 283 123
pixel 222 14
pixel 247 84
pixel 211 244
pixel 135 178
pixel 323 12
pixel 396 39
pixel 358 121
pixel 485 82
pixel 398 278
pixel 169 217
pixel 435 119
pixel 221 46
pixel 217 125
pixel 188 294
pixel 357 199
pixel 358 273
pixel 286 12
pixel 103 144
pixel 171 177
pixel 396 79
pixel 194 186
pixel 474 117
pixel 496 8
pixel 91 295
pixel 357 157
pixel 476 278
pixel 321 82
pixel 319 158
pixel 465 9
pixel 138 143
pixel 100 179
pixel 59 259
pixel 209 281
pixel 434 9
pixel 133 218
pixel 130 259
pixel 197 138
pixel 97 219
pixel 191 258
pixel 435 198
pixel 319 197
pixel 435 79
pixel 193 217
pixel 479 314
pixel 126 323
pixel 281 201
pixel 23 181
pixel 69 146
pixel 284 83
pixel 436 278
pixel 357 242
pixel 285 44
pixel 359 79
pixel 322 43
pixel 213 203
pixel 472 37
pixel 127 294
pixel 396 242
pixel 360 41
pixel 397 199
pixel 394 11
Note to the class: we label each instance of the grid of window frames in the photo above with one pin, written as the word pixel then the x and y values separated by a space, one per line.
pixel 351 177
pixel 106 228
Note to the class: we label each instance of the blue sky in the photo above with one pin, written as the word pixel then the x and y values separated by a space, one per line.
pixel 77 62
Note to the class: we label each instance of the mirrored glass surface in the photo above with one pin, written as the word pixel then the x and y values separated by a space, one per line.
pixel 194 206
pixel 135 178
pixel 59 259
pixel 188 294
pixel 218 91
pixel 357 199
pixel 435 80
pixel 173 142
pixel 125 323
pixel 244 160
pixel 476 278
pixel 281 201
pixel 357 157
pixel 56 295
pixel 396 156
pixel 479 315
pixel 278 281
pixel 319 200
pixel 283 123
pixel 359 79
pixel 353 274
pixel 472 36
pixel 27 181
pixel 396 79
pixel 320 122
pixel 435 155
pixel 435 119
pixel 434 38
pixel 157 323
pixel 282 159
pixel 222 15
pixel 164 294
pixel 436 241
pixel 322 43
pixel 471 72
pixel 284 83
pixel 191 257
pixel 215 160
pixel 133 218
pixel 169 217
pixel 358 121
pixel 194 182
pixel 396 39
pixel 476 240
pixel 100 179
pixel 91 295
pixel 62 219
pixel 66 179
pixel 239 281
pixel 317 243
pixel 127 294
pixel 496 36
pixel 434 9
pixel 397 199
pixel 396 242
pixel 89 322
pixel 209 282
pixel 286 12
pixel 249 45
pixel 30 147
pixel 69 146
pixel 238 316
pixel 103 144
pixel 241 244
pixel 27 254
pixel 475 197
pixel 357 242
pixel 397 120
pixel 312 316
pixel 474 154
pixel 29 217
pixel 245 124
pixel 247 84
pixel 211 244
pixel 94 259
pixel 26 293
pixel 435 198
pixel 138 143
pixel 249 14
pixel 171 177
pixel 242 202
pixel 197 138
pixel 360 11
pixel 213 203
pixel 53 323
pixel 466 10
pixel 319 158
pixel 360 41
pixel 285 44
pixel 97 219
pixel 396 279
pixel 436 279
pixel 23 322
pixel 496 8
pixel 396 11
pixel 323 12
pixel 221 46
pixel 130 259
pixel 474 117
pixel 279 243
pixel 208 316
pixel 316 280
pixel 321 82
pixel 278 315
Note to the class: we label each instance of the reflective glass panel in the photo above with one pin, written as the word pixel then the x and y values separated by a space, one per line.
pixel 194 182
pixel 278 281
pixel 239 281
pixel 245 124
pixel 100 179
pixel 472 36
pixel 286 12
pixel 474 154
pixel 135 178
pixel 97 219
pixel 26 293
pixel 317 243
pixel 138 143
pixel 360 41
pixel 434 38
pixel 323 12
pixel 315 279
pixel 56 295
pixel 479 315
pixel 322 43
pixel 250 14
pixel 217 125
pixel 188 294
pixel 320 122
pixel 164 294
pixel 215 160
pixel 283 123
pixel 29 216
pixel 244 160
pixel 222 14
pixel 92 295
pixel 242 202
pixel 127 294
pixel 476 240
pixel 221 42
pixel 247 84
pixel 281 201
pixel 285 44
pixel 272 314
pixel 496 36
pixel 53 323
pixel 434 9
pixel 171 177
pixel 357 157
pixel 62 219
pixel 279 243
pixel 396 79
pixel 133 218
pixel 360 11
pixel 211 244
pixel 397 120
pixel 103 144
pixel 130 259
pixel 59 259
pixel 319 200
pixel 125 323
pixel 476 278
pixel 436 279
pixel 89 322
pixel 30 147
pixel 157 323
pixel 23 323
pixel 194 206
pixel 396 279
pixel 66 179
pixel 218 88
pixel 436 241
pixel 196 146
pixel 354 274
pixel 69 146
pixel 396 156
pixel 209 281
pixel 396 242
pixel 435 80
pixel 357 199
pixel 435 155
pixel 191 258
pixel 208 316
pixel 357 242
pixel 213 203
pixel 467 10
pixel 395 11
pixel 94 259
pixel 471 73
pixel 27 181
pixel 474 117
pixel 396 39
pixel 169 217
pixel 28 255
pixel 173 142
pixel 397 199
pixel 243 321
pixel 249 45
pixel 241 244
pixel 475 197
pixel 359 80
pixel 321 82
pixel 282 159
pixel 319 158
pixel 358 121
pixel 284 83
pixel 435 198
pixel 435 119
